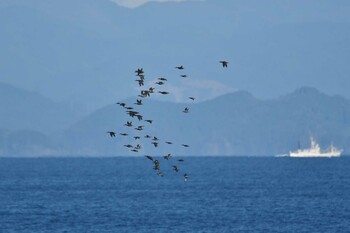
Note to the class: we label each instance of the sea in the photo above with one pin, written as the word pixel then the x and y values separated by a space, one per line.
pixel 222 194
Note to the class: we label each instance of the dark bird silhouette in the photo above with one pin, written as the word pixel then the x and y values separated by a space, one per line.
pixel 156 165
pixel 134 150
pixel 139 117
pixel 179 67
pixel 175 168
pixel 141 82
pixel 224 63
pixel 184 75
pixel 162 79
pixel 155 139
pixel 147 136
pixel 155 144
pixel 129 108
pixel 149 121
pixel 167 157
pixel 192 98
pixel 136 137
pixel 128 123
pixel 140 127
pixel 141 76
pixel 186 110
pixel 185 145
pixel 163 92
pixel 151 90
pixel 186 177
pixel 160 83
pixel 111 133
pixel 121 104
pixel 169 143
pixel 139 71
pixel 124 134
pixel 181 160
pixel 128 146
pixel 132 113
pixel 149 157
pixel 145 93
pixel 138 147
pixel 138 102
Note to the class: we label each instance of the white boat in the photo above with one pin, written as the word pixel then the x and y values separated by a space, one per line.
pixel 315 151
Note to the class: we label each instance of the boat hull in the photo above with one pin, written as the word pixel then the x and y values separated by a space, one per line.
pixel 323 155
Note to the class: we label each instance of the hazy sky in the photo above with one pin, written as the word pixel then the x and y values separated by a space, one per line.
pixel 85 52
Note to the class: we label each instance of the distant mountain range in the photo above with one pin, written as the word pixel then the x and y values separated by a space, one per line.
pixel 25 110
pixel 232 124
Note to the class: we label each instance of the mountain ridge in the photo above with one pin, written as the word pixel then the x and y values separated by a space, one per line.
pixel 215 128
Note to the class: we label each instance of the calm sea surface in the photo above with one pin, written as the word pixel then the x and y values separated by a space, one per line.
pixel 223 194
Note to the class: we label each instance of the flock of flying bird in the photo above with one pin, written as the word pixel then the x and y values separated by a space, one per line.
pixel 154 140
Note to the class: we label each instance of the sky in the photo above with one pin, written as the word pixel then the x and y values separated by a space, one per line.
pixel 84 53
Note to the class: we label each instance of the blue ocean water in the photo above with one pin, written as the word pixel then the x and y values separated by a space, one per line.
pixel 223 194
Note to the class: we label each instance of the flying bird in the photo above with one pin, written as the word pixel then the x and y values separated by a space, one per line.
pixel 192 98
pixel 167 157
pixel 145 93
pixel 160 83
pixel 181 160
pixel 224 63
pixel 141 82
pixel 128 124
pixel 140 127
pixel 156 165
pixel 169 143
pixel 186 110
pixel 132 113
pixel 175 168
pixel 186 177
pixel 139 71
pixel 124 134
pixel 179 67
pixel 162 79
pixel 138 102
pixel 121 104
pixel 184 75
pixel 185 145
pixel 163 92
pixel 111 133
pixel 149 157
pixel 139 117
pixel 149 121
pixel 136 137
pixel 141 76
